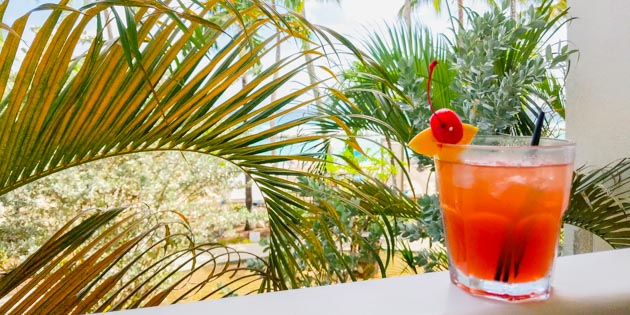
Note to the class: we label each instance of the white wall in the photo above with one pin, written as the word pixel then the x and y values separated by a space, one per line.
pixel 598 87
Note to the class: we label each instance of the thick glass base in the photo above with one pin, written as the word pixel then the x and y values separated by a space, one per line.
pixel 512 292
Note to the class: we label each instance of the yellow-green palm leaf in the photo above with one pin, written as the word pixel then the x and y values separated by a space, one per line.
pixel 187 80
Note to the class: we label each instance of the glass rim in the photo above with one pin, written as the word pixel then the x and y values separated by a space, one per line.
pixel 555 144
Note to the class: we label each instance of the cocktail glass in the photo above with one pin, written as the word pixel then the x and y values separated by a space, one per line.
pixel 502 203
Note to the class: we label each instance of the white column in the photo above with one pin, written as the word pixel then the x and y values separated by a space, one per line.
pixel 598 87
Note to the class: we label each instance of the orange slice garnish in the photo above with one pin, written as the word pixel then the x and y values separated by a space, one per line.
pixel 425 143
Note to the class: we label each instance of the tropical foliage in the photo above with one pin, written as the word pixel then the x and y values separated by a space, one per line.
pixel 497 73
pixel 121 258
pixel 170 79
pixel 600 203
pixel 503 67
pixel 196 185
pixel 197 78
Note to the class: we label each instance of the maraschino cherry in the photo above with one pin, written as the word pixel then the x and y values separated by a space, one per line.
pixel 445 124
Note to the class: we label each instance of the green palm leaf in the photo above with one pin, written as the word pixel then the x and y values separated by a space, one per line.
pixel 120 258
pixel 390 82
pixel 191 81
pixel 600 203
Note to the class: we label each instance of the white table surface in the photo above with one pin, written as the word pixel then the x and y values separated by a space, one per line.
pixel 597 283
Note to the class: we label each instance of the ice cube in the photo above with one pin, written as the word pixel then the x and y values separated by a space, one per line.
pixel 501 186
pixel 464 177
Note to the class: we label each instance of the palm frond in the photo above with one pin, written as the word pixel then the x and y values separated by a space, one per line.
pixel 172 82
pixel 548 93
pixel 101 105
pixel 600 202
pixel 389 81
pixel 121 258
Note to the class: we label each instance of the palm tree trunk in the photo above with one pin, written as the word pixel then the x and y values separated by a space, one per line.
pixel 276 75
pixel 248 181
pixel 407 12
pixel 513 9
pixel 392 161
pixel 310 68
pixel 248 193
pixel 460 11
pixel 108 28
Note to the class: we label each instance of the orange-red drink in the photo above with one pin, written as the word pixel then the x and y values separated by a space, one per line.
pixel 502 205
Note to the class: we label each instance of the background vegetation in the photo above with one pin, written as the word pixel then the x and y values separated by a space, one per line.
pixel 197 185
pixel 156 81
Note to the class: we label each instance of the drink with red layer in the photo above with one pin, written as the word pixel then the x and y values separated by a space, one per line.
pixel 502 203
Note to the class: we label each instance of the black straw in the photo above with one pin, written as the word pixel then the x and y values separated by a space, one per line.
pixel 510 255
pixel 538 128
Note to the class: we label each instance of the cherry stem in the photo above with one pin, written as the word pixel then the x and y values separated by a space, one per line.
pixel 431 68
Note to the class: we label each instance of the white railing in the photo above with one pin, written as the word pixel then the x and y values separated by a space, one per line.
pixel 597 283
